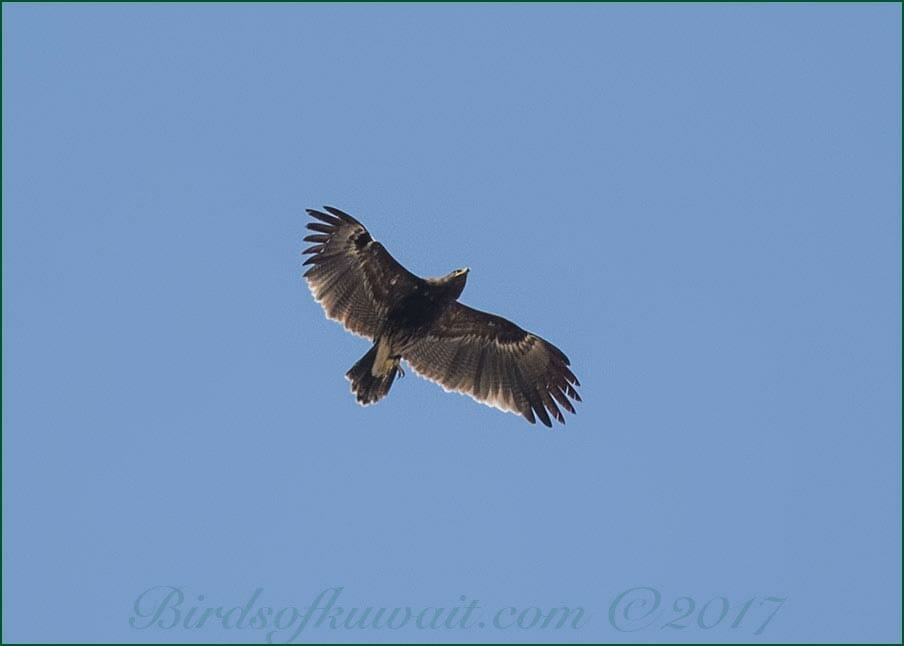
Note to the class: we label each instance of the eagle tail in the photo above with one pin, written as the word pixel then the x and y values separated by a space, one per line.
pixel 370 388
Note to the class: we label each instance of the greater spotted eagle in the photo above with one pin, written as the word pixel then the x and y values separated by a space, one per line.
pixel 421 321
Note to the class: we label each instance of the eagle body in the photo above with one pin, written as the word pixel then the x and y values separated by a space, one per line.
pixel 415 314
pixel 421 321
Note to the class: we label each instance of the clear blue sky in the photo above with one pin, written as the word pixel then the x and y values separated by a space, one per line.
pixel 701 205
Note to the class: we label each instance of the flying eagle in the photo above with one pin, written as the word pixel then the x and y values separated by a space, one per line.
pixel 421 321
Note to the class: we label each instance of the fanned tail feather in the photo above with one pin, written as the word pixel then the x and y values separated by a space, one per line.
pixel 369 389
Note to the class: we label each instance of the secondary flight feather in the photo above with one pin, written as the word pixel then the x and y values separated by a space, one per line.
pixel 421 321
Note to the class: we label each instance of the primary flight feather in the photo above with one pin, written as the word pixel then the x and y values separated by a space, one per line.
pixel 421 321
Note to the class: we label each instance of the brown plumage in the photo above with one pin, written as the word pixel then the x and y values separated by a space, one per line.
pixel 421 321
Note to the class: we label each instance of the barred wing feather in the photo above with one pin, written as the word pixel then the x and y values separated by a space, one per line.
pixel 496 363
pixel 352 275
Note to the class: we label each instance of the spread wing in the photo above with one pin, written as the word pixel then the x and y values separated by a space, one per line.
pixel 495 362
pixel 353 276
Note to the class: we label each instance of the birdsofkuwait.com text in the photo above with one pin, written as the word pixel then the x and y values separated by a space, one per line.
pixel 175 608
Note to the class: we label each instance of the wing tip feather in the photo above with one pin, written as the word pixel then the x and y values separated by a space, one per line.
pixel 535 403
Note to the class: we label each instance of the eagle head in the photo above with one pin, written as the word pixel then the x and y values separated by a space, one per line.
pixel 453 282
